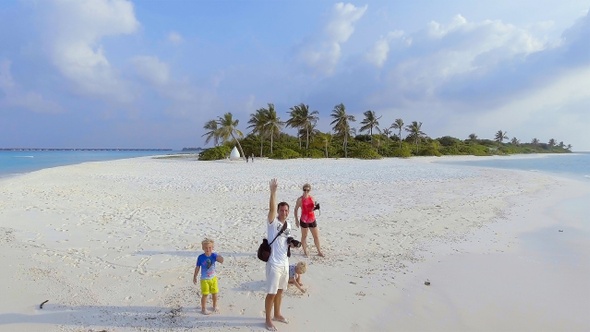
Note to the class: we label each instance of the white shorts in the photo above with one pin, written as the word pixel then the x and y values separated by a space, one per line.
pixel 277 277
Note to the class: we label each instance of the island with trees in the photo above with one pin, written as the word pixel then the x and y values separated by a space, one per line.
pixel 373 140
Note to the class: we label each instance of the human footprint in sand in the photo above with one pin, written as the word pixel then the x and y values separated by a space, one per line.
pixel 277 267
pixel 206 264
pixel 307 221
pixel 295 272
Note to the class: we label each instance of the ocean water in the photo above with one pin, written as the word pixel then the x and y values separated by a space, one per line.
pixel 570 165
pixel 19 162
pixel 574 165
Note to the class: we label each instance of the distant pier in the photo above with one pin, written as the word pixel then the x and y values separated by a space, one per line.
pixel 80 149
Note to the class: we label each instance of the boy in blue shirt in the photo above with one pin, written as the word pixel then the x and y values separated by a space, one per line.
pixel 206 264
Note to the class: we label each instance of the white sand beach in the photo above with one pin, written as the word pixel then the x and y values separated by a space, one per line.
pixel 112 247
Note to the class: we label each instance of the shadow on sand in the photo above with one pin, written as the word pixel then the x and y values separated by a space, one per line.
pixel 128 317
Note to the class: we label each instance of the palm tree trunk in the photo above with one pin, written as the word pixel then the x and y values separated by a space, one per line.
pixel 240 146
pixel 261 146
pixel 344 143
pixel 271 142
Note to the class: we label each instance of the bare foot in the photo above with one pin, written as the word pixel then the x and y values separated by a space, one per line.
pixel 320 254
pixel 270 327
pixel 205 312
pixel 216 310
pixel 281 319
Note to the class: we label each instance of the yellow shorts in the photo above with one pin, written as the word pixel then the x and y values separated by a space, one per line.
pixel 209 286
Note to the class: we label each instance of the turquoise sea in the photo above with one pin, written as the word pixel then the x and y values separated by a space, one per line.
pixel 574 165
pixel 17 162
pixel 571 165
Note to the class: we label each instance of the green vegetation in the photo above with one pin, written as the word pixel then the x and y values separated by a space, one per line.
pixel 267 139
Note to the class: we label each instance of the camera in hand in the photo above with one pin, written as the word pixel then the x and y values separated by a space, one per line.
pixel 292 242
pixel 317 206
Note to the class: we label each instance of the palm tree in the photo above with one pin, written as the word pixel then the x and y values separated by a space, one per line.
pixel 535 141
pixel 415 132
pixel 515 141
pixel 257 122
pixel 341 124
pixel 387 132
pixel 273 124
pixel 552 143
pixel 326 138
pixel 501 136
pixel 473 137
pixel 370 122
pixel 296 120
pixel 213 133
pixel 303 119
pixel 399 125
pixel 228 128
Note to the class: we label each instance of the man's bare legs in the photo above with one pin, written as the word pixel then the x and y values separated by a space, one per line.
pixel 268 304
pixel 274 300
pixel 277 309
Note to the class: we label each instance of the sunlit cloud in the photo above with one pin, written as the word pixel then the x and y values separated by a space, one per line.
pixel 323 54
pixel 73 33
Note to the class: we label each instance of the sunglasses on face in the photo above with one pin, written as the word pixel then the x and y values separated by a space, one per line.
pixel 306 190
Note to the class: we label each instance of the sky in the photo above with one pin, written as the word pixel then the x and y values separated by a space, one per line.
pixel 150 74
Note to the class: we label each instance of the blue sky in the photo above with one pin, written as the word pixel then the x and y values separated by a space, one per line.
pixel 149 74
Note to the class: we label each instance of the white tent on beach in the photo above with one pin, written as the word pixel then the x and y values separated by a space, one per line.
pixel 234 154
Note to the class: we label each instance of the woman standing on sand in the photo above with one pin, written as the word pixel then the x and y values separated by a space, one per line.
pixel 307 221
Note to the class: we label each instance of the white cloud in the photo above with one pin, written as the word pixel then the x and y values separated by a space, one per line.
pixel 378 54
pixel 443 60
pixel 74 29
pixel 175 38
pixel 6 80
pixel 323 54
pixel 15 97
pixel 556 110
pixel 341 27
pixel 151 69
pixel 559 97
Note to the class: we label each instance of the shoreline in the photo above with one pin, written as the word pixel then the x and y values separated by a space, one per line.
pixel 526 271
pixel 113 243
pixel 190 155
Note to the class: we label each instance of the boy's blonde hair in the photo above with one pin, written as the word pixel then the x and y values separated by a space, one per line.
pixel 301 267
pixel 207 241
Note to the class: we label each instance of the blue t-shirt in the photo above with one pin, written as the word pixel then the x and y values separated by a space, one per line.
pixel 207 265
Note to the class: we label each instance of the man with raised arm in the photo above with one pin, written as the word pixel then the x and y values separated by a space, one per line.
pixel 277 267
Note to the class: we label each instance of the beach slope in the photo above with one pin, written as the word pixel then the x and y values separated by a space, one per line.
pixel 112 246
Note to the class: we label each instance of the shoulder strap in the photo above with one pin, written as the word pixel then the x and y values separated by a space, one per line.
pixel 280 232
